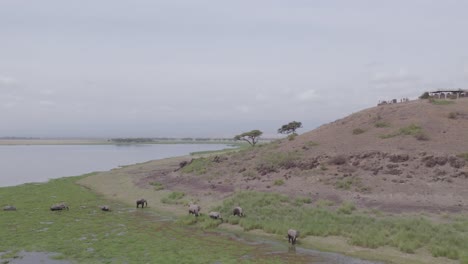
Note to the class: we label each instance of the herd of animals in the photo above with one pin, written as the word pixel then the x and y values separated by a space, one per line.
pixel 193 209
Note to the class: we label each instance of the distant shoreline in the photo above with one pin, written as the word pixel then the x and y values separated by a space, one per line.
pixel 103 141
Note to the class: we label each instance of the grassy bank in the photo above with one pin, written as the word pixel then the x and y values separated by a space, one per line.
pixel 84 234
pixel 275 214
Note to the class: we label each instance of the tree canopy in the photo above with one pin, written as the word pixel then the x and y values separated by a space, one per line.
pixel 251 137
pixel 289 128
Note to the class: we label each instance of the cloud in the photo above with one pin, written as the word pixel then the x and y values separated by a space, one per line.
pixel 401 76
pixel 308 95
pixel 46 103
pixel 7 82
pixel 243 108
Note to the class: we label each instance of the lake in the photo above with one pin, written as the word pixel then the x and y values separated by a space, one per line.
pixel 38 163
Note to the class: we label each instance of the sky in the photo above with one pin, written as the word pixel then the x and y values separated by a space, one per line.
pixel 213 68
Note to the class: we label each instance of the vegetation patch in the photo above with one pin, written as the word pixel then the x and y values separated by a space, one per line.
pixel 324 203
pixel 85 234
pixel 279 182
pixel 276 213
pixel 358 131
pixel 197 166
pixel 453 115
pixel 441 101
pixel 174 198
pixel 157 186
pixel 463 156
pixel 381 124
pixel 410 130
pixel 274 161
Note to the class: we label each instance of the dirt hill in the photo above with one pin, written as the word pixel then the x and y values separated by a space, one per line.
pixel 408 156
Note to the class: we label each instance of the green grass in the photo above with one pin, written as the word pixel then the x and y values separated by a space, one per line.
pixel 278 182
pixel 197 166
pixel 381 124
pixel 157 186
pixel 410 130
pixel 84 234
pixel 274 161
pixel 463 156
pixel 441 102
pixel 174 198
pixel 276 213
pixel 324 203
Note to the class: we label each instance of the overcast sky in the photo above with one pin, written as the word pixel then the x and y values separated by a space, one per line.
pixel 114 68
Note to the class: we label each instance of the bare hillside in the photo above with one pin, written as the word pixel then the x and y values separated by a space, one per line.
pixel 399 157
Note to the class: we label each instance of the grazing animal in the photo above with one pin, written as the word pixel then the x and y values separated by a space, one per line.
pixel 194 209
pixel 59 207
pixel 9 208
pixel 215 215
pixel 238 211
pixel 105 208
pixel 141 202
pixel 292 236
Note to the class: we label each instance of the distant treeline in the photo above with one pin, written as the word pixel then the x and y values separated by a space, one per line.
pixel 158 139
pixel 29 138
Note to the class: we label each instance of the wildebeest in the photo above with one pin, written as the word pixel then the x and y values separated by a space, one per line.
pixel 215 215
pixel 292 236
pixel 9 208
pixel 194 209
pixel 59 207
pixel 238 211
pixel 141 201
pixel 105 208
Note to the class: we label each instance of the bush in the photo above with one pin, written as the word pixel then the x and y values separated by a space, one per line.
pixel 381 124
pixel 453 115
pixel 346 208
pixel 157 186
pixel 324 203
pixel 337 160
pixel 425 95
pixel 463 156
pixel 174 198
pixel 440 102
pixel 278 182
pixel 358 131
pixel 421 136
pixel 197 166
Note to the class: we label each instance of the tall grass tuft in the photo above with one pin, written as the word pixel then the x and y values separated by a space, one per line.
pixel 275 213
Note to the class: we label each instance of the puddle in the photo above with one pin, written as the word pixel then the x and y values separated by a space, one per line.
pixel 296 253
pixel 24 257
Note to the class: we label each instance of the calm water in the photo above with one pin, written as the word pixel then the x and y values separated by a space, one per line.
pixel 39 163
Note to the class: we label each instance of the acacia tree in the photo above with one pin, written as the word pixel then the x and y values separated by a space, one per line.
pixel 251 137
pixel 289 128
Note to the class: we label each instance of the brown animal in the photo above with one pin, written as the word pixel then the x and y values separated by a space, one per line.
pixel 141 202
pixel 59 207
pixel 292 236
pixel 238 211
pixel 194 209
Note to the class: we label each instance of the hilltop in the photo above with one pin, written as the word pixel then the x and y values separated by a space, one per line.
pixel 402 157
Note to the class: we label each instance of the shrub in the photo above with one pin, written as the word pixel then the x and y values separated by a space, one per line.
pixel 358 131
pixel 157 186
pixel 463 156
pixel 292 137
pixel 278 182
pixel 337 160
pixel 425 95
pixel 324 203
pixel 421 136
pixel 274 161
pixel 346 208
pixel 174 198
pixel 197 166
pixel 453 115
pixel 381 124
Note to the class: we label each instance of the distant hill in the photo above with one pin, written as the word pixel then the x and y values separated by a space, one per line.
pixel 396 157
